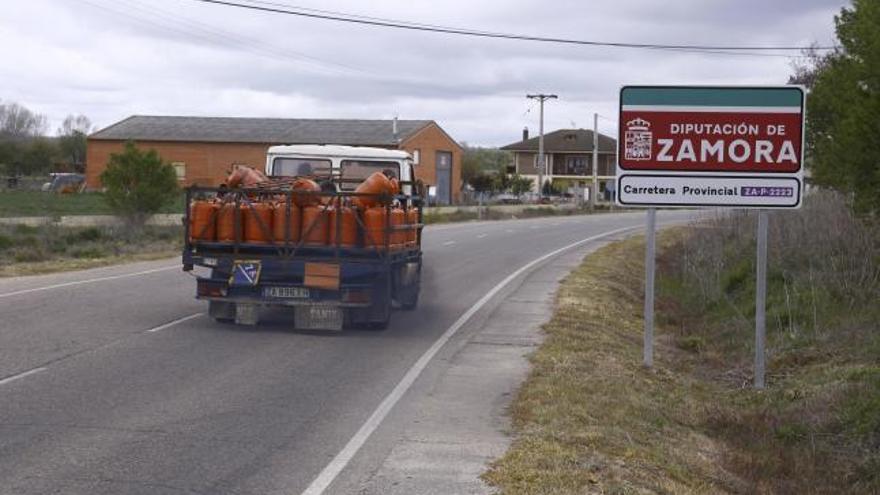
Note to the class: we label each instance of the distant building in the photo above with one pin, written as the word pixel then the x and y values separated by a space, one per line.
pixel 204 149
pixel 569 160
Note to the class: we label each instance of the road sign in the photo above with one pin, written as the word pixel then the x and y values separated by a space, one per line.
pixel 739 147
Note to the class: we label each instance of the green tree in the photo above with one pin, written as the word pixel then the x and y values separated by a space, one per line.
pixel 476 160
pixel 72 140
pixel 483 183
pixel 38 156
pixel 520 185
pixel 843 130
pixel 138 183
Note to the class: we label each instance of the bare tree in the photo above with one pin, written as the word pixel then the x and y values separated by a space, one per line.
pixel 18 122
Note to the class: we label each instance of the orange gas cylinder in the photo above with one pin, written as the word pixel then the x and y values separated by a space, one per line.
pixel 244 176
pixel 344 221
pixel 398 219
pixel 377 183
pixel 257 221
pixel 412 219
pixel 281 219
pixel 315 223
pixel 201 220
pixel 395 186
pixel 374 227
pixel 226 222
pixel 302 184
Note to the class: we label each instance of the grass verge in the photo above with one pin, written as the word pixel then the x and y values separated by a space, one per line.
pixel 591 419
pixel 26 250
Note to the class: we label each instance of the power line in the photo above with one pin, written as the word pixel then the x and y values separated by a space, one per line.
pixel 205 33
pixel 279 8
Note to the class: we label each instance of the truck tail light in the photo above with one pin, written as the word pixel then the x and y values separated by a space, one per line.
pixel 209 289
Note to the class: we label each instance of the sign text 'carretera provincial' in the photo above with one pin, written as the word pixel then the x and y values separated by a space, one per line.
pixel 710 146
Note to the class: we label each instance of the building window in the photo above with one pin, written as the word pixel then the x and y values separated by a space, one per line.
pixel 573 165
pixel 416 154
pixel 179 170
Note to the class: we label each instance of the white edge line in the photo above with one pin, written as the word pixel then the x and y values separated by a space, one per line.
pixel 88 281
pixel 448 243
pixel 174 322
pixel 21 375
pixel 338 463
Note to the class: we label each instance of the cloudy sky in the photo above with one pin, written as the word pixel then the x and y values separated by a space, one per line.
pixel 109 59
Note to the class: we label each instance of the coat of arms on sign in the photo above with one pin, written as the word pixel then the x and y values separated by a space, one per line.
pixel 638 140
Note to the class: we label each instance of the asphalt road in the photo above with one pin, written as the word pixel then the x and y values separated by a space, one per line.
pixel 111 381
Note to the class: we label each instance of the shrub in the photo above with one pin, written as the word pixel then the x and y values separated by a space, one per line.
pixel 138 183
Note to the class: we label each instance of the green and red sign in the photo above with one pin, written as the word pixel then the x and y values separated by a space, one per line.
pixel 721 140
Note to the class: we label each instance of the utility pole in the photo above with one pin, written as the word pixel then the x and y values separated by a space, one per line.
pixel 594 190
pixel 541 165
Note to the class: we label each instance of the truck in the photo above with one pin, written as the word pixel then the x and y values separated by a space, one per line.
pixel 354 278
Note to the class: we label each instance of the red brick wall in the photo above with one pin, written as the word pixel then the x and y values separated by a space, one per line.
pixel 428 141
pixel 207 164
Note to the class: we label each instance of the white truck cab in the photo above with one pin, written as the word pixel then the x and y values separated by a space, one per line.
pixel 348 162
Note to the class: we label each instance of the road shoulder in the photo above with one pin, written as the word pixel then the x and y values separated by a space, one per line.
pixel 457 422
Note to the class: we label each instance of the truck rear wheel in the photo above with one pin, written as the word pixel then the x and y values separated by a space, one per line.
pixel 380 311
pixel 407 284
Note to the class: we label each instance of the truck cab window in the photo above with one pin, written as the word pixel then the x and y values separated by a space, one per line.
pixel 293 167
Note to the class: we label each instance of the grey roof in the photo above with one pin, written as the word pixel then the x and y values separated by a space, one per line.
pixel 566 140
pixel 258 130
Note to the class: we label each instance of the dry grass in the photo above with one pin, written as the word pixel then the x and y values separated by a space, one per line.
pixel 67 264
pixel 591 419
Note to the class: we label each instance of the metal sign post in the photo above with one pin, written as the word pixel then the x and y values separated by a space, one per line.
pixel 710 146
pixel 760 299
pixel 650 236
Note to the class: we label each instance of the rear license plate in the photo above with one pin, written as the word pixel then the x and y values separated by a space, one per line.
pixel 286 292
pixel 319 317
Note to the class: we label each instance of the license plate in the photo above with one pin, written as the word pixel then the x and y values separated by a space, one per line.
pixel 319 317
pixel 286 292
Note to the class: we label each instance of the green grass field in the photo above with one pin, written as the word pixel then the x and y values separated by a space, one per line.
pixel 41 204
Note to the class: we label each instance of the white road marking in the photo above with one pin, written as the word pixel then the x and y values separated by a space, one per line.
pixel 448 243
pixel 481 236
pixel 21 375
pixel 338 463
pixel 88 281
pixel 510 231
pixel 174 322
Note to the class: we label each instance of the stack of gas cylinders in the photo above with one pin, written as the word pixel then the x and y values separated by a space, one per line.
pixel 305 217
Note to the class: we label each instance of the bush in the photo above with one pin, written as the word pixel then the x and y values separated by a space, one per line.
pixel 138 184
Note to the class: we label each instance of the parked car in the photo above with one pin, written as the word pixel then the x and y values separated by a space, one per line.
pixel 65 183
pixel 506 199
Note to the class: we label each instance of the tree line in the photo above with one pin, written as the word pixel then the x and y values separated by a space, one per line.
pixel 486 170
pixel 27 150
pixel 843 108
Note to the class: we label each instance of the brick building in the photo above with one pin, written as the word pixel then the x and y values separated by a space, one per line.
pixel 204 149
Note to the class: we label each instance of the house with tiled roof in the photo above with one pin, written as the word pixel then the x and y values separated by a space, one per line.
pixel 568 160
